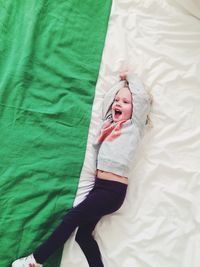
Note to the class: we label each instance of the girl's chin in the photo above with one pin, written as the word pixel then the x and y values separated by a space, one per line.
pixel 116 119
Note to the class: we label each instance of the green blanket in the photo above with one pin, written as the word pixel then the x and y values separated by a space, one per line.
pixel 50 53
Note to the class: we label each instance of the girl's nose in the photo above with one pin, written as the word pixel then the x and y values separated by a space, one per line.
pixel 118 104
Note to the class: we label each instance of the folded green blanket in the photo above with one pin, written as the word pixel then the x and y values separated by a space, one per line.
pixel 50 53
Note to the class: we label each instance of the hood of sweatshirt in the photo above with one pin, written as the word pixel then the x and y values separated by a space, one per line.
pixel 140 101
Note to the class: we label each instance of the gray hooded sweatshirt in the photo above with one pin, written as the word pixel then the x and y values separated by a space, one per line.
pixel 116 155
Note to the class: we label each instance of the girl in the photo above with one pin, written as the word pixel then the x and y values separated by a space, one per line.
pixel 125 110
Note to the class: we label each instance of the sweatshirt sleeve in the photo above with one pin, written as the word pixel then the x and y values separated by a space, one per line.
pixel 141 102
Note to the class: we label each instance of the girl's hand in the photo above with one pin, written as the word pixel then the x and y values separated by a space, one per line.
pixel 123 75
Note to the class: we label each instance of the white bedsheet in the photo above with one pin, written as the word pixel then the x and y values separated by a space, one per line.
pixel 159 223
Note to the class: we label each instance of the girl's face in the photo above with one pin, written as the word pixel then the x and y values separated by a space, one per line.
pixel 122 106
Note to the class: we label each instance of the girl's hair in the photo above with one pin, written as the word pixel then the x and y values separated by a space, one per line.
pixel 126 84
pixel 149 121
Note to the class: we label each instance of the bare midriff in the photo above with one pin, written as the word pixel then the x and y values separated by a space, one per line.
pixel 111 176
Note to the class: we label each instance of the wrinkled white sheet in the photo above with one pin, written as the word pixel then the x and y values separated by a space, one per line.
pixel 159 223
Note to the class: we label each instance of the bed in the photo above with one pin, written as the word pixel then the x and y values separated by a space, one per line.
pixel 158 225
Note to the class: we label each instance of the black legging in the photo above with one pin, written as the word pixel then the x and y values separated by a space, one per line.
pixel 105 197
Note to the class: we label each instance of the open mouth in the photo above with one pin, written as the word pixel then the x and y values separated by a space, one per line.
pixel 117 113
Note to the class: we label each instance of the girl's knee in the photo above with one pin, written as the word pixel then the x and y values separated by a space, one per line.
pixel 82 237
